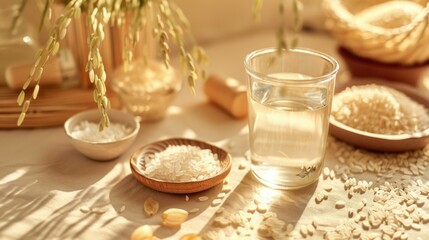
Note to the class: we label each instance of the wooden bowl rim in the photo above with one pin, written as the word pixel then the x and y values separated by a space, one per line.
pixel 200 185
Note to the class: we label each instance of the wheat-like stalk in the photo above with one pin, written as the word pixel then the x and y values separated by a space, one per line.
pixel 286 38
pixel 51 48
pixel 170 21
pixel 171 26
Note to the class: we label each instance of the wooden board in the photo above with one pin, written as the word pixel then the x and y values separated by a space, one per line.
pixel 51 108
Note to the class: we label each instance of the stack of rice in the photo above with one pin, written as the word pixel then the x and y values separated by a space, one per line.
pixel 379 109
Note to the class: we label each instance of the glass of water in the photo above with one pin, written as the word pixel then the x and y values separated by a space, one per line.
pixel 289 96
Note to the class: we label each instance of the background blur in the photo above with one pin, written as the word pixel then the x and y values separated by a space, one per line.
pixel 212 20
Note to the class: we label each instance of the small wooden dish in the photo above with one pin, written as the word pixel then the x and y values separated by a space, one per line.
pixel 382 142
pixel 137 167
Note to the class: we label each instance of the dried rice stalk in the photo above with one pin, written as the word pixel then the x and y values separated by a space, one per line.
pixel 171 24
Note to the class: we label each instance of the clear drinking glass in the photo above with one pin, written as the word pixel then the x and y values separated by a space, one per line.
pixel 289 96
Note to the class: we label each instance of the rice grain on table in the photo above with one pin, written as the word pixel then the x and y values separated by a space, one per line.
pixel 391 208
pixel 379 109
pixel 182 163
pixel 396 207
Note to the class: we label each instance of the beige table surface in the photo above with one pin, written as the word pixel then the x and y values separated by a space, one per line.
pixel 44 182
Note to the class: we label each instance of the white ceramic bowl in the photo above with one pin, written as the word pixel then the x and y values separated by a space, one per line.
pixel 102 151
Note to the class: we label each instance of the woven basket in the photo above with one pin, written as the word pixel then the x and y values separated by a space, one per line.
pixel 384 31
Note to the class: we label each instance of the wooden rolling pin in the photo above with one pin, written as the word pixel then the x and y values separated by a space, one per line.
pixel 228 94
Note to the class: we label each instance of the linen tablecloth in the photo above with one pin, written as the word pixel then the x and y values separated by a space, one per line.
pixel 45 182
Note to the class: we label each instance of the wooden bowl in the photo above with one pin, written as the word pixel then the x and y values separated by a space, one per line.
pixel 360 67
pixel 137 167
pixel 382 142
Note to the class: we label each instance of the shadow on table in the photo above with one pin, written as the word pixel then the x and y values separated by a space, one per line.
pixel 202 121
pixel 31 197
pixel 289 205
pixel 132 194
pixel 63 169
pixel 63 222
pixel 217 126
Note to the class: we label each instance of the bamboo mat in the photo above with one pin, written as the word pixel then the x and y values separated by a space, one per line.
pixel 52 107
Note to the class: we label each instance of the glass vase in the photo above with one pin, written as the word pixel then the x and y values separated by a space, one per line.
pixel 146 89
pixel 17 38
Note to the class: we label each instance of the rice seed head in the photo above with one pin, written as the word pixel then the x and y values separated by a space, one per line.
pixel 36 91
pixel 38 74
pixel 26 106
pixel 21 118
pixel 56 48
pixel 21 97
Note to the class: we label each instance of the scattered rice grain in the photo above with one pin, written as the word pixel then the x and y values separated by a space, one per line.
pixel 326 172
pixel 203 198
pixel 310 229
pixel 85 209
pixel 220 210
pixel 262 208
pixel 350 212
pixel 332 174
pixel 194 210
pixel 242 166
pixel 226 188
pixel 98 210
pixel 221 195
pixel 252 208
pixel 365 225
pixel 303 230
pixel 340 204
pixel 216 202
pixel 315 222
